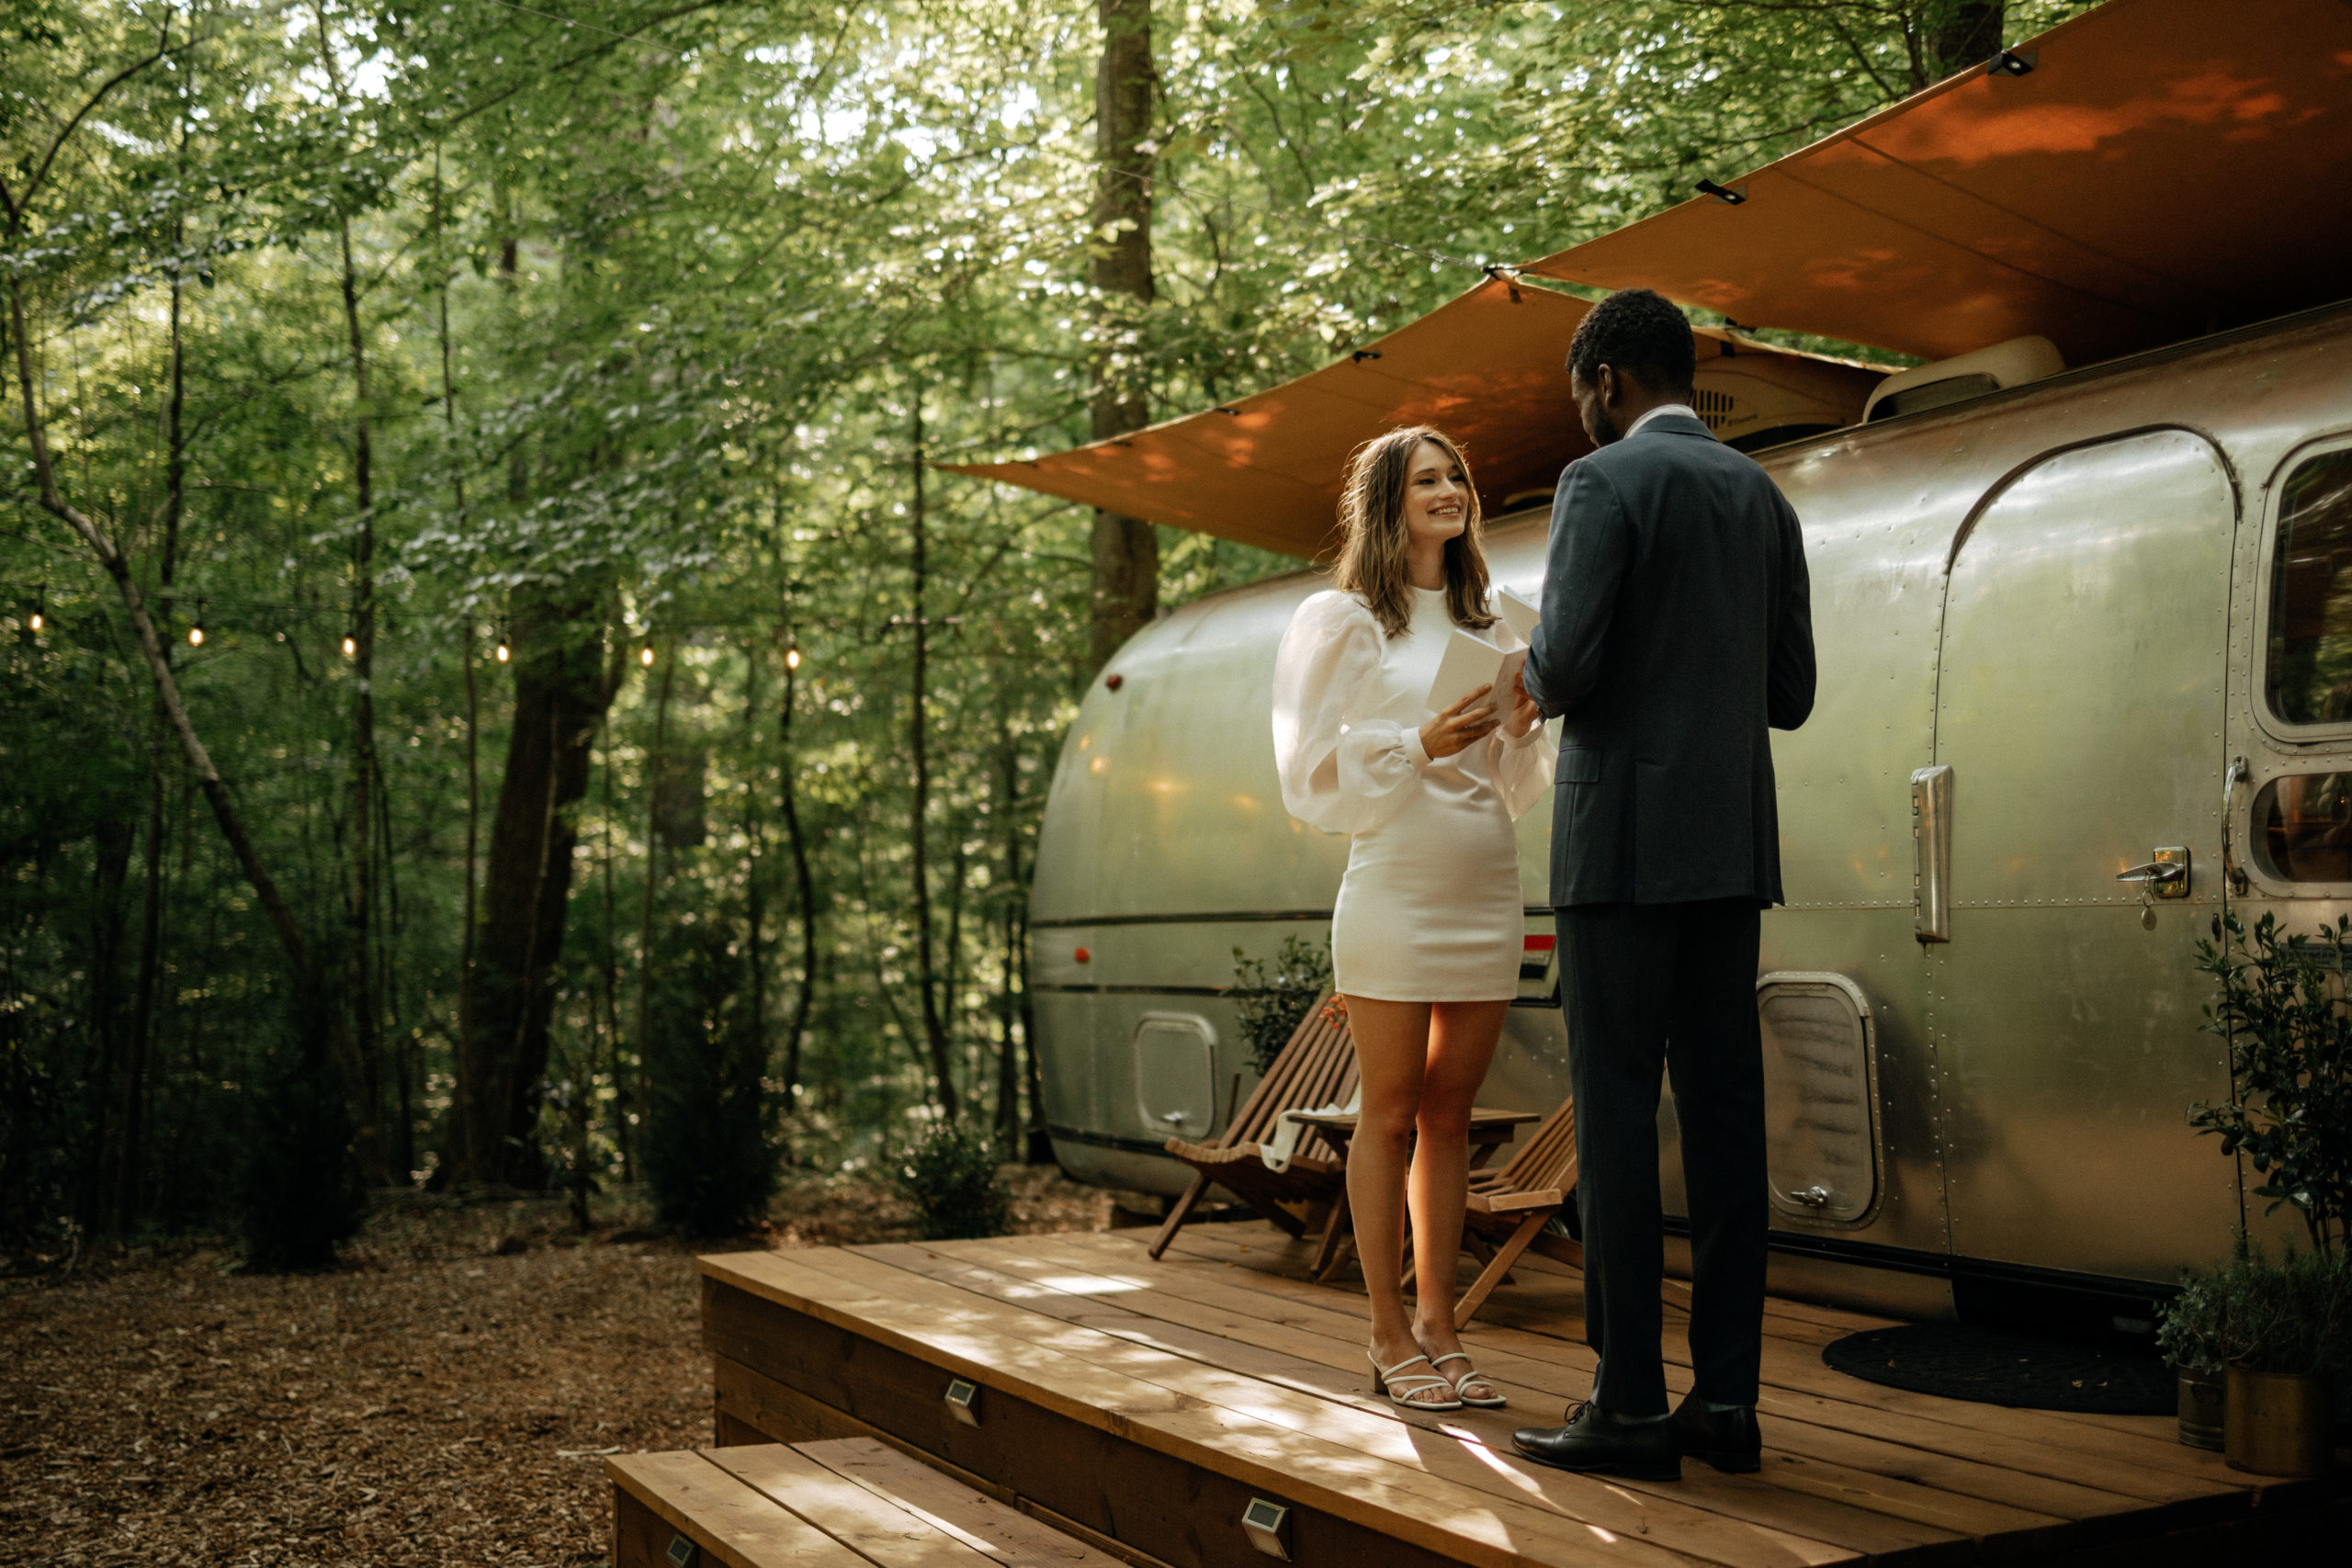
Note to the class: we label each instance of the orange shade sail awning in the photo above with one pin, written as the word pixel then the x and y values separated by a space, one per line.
pixel 1488 368
pixel 2161 168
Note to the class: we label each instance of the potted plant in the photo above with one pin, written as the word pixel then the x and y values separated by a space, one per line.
pixel 2190 1330
pixel 2283 1330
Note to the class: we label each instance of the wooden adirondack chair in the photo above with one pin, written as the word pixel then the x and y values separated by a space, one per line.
pixel 1511 1205
pixel 1316 1067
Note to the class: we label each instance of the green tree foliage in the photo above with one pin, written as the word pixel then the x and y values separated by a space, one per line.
pixel 601 327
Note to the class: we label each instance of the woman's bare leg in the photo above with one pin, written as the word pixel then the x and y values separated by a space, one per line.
pixel 1462 1041
pixel 1392 1053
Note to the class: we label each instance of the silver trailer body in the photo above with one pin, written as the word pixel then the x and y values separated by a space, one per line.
pixel 2064 596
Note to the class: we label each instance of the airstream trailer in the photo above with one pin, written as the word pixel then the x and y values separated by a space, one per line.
pixel 2085 653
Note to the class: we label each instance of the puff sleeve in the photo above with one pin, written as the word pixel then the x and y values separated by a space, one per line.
pixel 1344 768
pixel 1523 768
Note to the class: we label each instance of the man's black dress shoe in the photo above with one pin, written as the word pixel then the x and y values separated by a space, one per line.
pixel 1597 1441
pixel 1728 1439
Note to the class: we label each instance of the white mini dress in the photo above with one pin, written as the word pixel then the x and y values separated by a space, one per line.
pixel 1430 908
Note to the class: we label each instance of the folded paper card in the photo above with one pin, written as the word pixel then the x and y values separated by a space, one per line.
pixel 1517 614
pixel 1470 662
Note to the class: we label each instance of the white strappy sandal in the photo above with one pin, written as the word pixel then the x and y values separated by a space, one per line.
pixel 1402 1393
pixel 1473 1375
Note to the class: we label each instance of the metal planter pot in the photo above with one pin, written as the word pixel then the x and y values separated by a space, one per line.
pixel 2277 1422
pixel 2203 1401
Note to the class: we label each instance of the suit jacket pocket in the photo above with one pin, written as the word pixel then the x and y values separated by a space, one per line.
pixel 1580 764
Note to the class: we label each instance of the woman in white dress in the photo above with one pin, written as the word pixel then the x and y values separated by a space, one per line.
pixel 1427 934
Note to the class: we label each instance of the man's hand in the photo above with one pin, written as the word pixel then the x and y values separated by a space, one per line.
pixel 1472 718
pixel 1524 715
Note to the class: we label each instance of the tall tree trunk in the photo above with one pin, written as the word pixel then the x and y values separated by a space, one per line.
pixel 934 1026
pixel 466 636
pixel 790 805
pixel 366 1012
pixel 561 690
pixel 131 1177
pixel 654 761
pixel 111 1135
pixel 1962 33
pixel 360 648
pixel 1008 1060
pixel 754 870
pixel 118 567
pixel 1126 549
pixel 612 967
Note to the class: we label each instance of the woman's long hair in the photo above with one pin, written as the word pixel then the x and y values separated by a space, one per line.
pixel 1374 556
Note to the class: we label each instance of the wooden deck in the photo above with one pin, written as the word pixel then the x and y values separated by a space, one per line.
pixel 1144 1405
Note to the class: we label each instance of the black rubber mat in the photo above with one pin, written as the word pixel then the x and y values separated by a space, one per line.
pixel 1990 1366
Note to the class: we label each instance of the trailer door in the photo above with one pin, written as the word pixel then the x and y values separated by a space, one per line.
pixel 2079 705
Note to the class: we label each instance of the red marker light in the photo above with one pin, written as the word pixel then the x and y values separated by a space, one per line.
pixel 1082 955
pixel 1115 681
pixel 1541 944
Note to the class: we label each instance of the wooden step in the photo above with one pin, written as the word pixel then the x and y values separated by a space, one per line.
pixel 840 1503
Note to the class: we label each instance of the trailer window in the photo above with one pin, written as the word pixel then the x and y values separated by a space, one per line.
pixel 2309 663
pixel 2304 827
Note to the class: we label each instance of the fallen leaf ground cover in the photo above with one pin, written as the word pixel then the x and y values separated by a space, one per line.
pixel 443 1398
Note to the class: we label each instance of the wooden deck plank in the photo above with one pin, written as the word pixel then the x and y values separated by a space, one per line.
pixel 1799 1385
pixel 1428 1450
pixel 1815 1511
pixel 727 1518
pixel 1531 1381
pixel 1438 1515
pixel 983 1527
pixel 876 1527
pixel 1326 1366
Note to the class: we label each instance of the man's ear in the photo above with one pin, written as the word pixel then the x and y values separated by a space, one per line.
pixel 1606 383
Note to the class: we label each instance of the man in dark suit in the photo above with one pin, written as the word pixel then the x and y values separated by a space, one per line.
pixel 1676 628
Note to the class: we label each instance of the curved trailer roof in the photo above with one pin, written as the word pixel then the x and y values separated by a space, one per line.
pixel 2161 169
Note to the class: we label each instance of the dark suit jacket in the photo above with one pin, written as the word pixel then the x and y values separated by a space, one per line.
pixel 1676 627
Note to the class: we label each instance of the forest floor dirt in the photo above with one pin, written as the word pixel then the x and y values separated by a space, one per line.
pixel 443 1396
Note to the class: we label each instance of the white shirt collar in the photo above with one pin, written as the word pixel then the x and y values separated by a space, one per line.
pixel 1661 410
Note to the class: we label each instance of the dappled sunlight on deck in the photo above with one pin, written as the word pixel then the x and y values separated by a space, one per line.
pixel 1136 1399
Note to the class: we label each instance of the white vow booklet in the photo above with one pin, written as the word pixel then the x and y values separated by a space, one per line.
pixel 1470 662
pixel 1517 614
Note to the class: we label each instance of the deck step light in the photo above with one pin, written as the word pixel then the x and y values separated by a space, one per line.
pixel 963 1402
pixel 2009 62
pixel 1729 195
pixel 1268 1527
pixel 681 1553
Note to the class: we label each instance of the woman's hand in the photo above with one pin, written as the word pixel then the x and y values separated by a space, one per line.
pixel 1460 725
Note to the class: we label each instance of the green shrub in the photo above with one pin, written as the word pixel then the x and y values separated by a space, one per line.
pixel 950 1173
pixel 2293 1315
pixel 2283 1009
pixel 1274 998
pixel 299 1192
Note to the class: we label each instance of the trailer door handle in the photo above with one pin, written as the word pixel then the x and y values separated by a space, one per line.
pixel 1932 852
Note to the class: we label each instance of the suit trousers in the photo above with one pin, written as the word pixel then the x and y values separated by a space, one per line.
pixel 1668 986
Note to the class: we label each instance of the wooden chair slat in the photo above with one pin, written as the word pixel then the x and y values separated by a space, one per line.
pixel 1316 1066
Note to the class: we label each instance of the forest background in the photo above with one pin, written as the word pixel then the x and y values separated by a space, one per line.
pixel 495 697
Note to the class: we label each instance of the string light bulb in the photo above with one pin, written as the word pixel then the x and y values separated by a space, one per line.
pixel 502 652
pixel 645 656
pixel 41 609
pixel 196 631
pixel 350 645
pixel 792 657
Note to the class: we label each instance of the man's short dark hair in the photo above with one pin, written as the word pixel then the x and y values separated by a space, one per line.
pixel 1640 332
